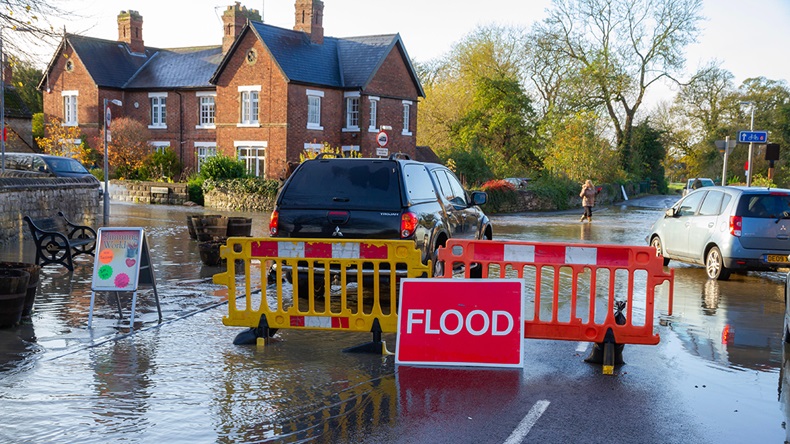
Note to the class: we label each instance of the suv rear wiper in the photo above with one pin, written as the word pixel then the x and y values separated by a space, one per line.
pixel 784 215
pixel 340 199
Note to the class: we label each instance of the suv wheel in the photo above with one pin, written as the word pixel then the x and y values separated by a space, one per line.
pixel 438 266
pixel 656 243
pixel 714 265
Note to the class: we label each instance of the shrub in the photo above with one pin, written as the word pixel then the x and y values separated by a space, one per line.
pixel 163 166
pixel 195 188
pixel 501 195
pixel 555 189
pixel 223 167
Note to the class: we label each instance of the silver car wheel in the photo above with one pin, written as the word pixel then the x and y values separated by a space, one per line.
pixel 656 243
pixel 714 265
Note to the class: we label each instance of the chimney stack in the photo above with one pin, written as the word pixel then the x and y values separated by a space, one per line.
pixel 233 20
pixel 130 30
pixel 310 19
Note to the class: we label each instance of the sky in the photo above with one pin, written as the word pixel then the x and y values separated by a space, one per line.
pixel 749 38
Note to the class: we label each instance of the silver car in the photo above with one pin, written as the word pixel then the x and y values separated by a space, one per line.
pixel 726 229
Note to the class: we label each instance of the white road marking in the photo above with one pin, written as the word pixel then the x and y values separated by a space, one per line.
pixel 582 347
pixel 526 424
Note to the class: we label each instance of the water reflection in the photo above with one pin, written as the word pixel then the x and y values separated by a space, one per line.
pixel 122 382
pixel 731 323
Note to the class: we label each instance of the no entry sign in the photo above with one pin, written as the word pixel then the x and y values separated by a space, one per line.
pixel 465 322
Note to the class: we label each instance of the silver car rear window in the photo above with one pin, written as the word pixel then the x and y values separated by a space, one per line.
pixel 768 206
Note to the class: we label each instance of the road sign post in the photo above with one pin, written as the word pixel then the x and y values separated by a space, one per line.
pixel 725 146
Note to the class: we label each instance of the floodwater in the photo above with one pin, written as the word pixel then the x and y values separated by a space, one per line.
pixel 183 380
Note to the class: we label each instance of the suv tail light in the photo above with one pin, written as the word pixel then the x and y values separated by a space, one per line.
pixel 273 221
pixel 736 225
pixel 408 222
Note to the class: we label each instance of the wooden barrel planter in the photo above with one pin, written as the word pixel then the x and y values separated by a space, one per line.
pixel 208 228
pixel 191 228
pixel 32 285
pixel 239 227
pixel 209 252
pixel 13 288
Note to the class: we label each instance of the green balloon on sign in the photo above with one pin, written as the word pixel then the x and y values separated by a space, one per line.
pixel 105 272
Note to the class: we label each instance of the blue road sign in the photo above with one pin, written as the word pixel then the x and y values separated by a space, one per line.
pixel 752 136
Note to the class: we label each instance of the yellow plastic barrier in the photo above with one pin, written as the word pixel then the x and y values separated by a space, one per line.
pixel 348 285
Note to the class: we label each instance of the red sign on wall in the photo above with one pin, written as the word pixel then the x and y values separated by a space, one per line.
pixel 464 322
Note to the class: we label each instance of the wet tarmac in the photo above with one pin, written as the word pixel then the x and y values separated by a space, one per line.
pixel 719 374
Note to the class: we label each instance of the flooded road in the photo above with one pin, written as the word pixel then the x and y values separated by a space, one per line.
pixel 719 374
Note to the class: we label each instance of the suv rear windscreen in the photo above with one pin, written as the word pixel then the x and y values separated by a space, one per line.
pixel 344 184
pixel 767 206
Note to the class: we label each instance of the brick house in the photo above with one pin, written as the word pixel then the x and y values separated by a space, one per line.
pixel 265 95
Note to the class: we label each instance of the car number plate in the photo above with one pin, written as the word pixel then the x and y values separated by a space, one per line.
pixel 777 258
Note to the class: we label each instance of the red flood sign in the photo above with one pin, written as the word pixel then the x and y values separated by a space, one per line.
pixel 461 322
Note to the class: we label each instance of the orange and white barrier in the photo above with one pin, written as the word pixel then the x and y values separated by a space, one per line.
pixel 576 291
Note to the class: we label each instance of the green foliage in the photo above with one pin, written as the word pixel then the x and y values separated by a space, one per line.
pixel 38 125
pixel 26 78
pixel 195 188
pixel 161 166
pixel 576 149
pixel 223 167
pixel 97 173
pixel 470 166
pixel 247 185
pixel 501 195
pixel 760 181
pixel 555 189
pixel 647 153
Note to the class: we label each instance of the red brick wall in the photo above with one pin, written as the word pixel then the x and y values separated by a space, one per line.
pixel 272 105
pixel 77 79
pixel 182 118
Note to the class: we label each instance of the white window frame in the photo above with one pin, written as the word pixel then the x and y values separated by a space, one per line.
pixel 203 151
pixel 207 107
pixel 249 106
pixel 70 109
pixel 406 117
pixel 374 110
pixel 352 111
pixel 314 115
pixel 257 145
pixel 158 103
pixel 159 147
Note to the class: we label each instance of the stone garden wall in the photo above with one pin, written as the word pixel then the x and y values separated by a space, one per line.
pixel 148 192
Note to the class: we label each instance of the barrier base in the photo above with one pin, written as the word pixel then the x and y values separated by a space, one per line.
pixel 251 335
pixel 607 354
pixel 373 347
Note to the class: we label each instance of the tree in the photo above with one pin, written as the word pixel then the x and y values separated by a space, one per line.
pixel 128 148
pixel 67 141
pixel 621 48
pixel 475 103
pixel 25 80
pixel 499 125
pixel 578 151
pixel 648 153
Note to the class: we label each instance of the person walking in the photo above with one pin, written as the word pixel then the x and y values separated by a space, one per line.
pixel 588 200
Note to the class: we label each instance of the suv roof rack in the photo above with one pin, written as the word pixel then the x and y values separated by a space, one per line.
pixel 399 156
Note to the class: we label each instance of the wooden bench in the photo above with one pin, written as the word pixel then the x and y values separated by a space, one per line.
pixel 58 240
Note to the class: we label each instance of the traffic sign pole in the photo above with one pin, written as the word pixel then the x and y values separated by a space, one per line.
pixel 724 168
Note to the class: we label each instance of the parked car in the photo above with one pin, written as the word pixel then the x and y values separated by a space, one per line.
pixel 45 164
pixel 519 182
pixel 692 184
pixel 726 229
pixel 367 198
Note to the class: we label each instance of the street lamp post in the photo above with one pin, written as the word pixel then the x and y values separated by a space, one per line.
pixel 107 117
pixel 751 145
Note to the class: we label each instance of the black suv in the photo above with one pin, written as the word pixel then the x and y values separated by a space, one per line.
pixel 367 198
